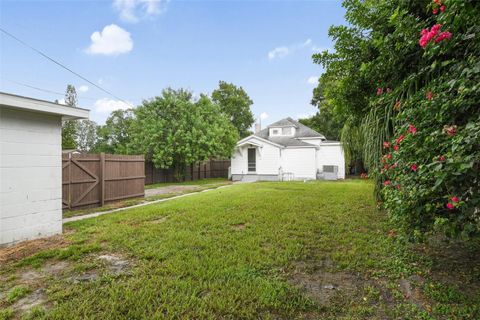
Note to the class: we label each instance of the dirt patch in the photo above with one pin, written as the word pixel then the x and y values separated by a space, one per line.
pixel 36 298
pixel 88 276
pixel 56 268
pixel 159 220
pixel 322 285
pixel 115 263
pixel 27 248
pixel 239 226
pixel 169 189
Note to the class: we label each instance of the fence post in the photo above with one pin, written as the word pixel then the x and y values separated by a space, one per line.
pixel 102 179
pixel 69 181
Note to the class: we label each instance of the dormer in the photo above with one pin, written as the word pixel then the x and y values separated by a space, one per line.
pixel 281 131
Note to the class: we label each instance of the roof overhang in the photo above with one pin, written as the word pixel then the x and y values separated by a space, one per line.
pixel 13 101
pixel 301 147
pixel 261 139
pixel 249 143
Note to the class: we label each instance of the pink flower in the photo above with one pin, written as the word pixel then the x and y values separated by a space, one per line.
pixel 435 11
pixel 386 145
pixel 398 187
pixel 433 34
pixel 450 130
pixel 443 36
pixel 379 91
pixel 396 147
pixel 441 158
pixel 414 167
pixel 387 183
pixel 412 129
pixel 437 1
pixel 400 139
pixel 429 95
pixel 455 199
pixel 442 8
pixel 450 206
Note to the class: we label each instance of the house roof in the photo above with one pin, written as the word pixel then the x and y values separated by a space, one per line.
pixel 302 131
pixel 13 101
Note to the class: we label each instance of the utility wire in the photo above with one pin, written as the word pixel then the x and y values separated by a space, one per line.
pixel 44 90
pixel 62 66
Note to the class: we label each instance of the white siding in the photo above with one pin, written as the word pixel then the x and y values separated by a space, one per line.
pixel 331 155
pixel 30 175
pixel 300 162
pixel 267 156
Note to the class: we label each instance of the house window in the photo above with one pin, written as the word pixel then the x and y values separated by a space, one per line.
pixel 329 169
pixel 287 131
pixel 252 160
pixel 275 132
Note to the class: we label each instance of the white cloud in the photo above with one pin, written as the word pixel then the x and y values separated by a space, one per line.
pixel 106 105
pixel 135 10
pixel 83 88
pixel 278 52
pixel 112 40
pixel 263 116
pixel 312 80
pixel 283 51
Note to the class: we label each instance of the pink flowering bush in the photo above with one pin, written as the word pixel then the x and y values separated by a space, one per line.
pixel 430 171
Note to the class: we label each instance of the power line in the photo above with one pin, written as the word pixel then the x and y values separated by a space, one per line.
pixel 62 66
pixel 44 90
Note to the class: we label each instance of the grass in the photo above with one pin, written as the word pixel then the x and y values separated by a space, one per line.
pixel 254 251
pixel 200 182
pixel 203 184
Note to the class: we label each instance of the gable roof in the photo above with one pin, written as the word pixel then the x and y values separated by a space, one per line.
pixel 302 131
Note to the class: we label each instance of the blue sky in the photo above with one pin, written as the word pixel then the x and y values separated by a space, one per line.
pixel 135 48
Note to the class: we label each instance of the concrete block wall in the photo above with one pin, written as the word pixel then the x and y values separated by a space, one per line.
pixel 30 175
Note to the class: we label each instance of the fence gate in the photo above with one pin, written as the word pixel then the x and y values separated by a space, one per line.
pixel 90 180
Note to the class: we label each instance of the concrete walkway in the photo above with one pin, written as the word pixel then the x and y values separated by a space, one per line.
pixel 101 213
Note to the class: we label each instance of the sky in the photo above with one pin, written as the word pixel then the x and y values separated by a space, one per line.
pixel 135 48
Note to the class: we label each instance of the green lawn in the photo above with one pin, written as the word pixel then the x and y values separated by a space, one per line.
pixel 316 250
pixel 212 181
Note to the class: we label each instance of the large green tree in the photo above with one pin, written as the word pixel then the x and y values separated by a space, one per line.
pixel 69 127
pixel 405 75
pixel 86 135
pixel 174 131
pixel 235 103
pixel 115 135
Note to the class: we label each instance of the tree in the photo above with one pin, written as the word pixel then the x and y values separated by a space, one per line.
pixel 405 74
pixel 69 126
pixel 173 131
pixel 235 103
pixel 115 135
pixel 324 121
pixel 86 135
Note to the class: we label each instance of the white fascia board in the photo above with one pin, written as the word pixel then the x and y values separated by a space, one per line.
pixel 326 144
pixel 301 147
pixel 29 104
pixel 261 139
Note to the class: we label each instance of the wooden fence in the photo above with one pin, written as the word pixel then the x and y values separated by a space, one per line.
pixel 207 169
pixel 91 180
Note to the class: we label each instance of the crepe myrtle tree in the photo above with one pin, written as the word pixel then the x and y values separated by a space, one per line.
pixel 173 131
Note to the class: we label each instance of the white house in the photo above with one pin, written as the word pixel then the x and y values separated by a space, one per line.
pixel 31 166
pixel 287 150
